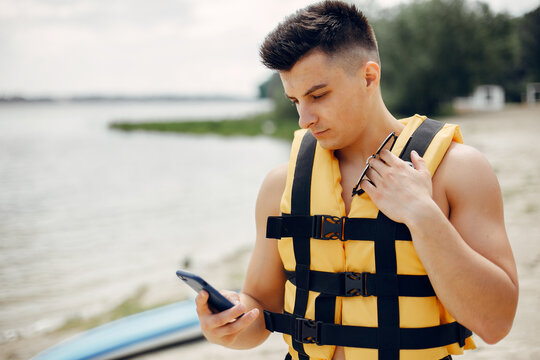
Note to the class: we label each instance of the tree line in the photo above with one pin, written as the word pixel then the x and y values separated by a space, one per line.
pixel 435 50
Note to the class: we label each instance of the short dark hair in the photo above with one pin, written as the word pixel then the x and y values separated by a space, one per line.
pixel 331 26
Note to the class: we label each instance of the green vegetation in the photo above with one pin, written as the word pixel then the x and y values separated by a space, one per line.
pixel 528 28
pixel 433 51
pixel 262 124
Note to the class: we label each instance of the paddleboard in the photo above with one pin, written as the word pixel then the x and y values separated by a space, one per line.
pixel 131 335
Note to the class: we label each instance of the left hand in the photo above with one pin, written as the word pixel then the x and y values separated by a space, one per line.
pixel 397 189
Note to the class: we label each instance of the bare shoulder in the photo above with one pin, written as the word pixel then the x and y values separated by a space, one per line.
pixel 466 174
pixel 276 177
pixel 271 190
pixel 459 155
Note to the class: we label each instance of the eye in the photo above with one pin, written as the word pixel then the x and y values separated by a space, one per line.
pixel 319 96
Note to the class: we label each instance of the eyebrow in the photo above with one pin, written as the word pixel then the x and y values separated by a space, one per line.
pixel 311 89
pixel 314 88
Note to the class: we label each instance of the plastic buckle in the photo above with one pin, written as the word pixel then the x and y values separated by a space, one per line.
pixel 355 284
pixel 306 331
pixel 331 227
pixel 268 321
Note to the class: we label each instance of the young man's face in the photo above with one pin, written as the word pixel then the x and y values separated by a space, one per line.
pixel 331 102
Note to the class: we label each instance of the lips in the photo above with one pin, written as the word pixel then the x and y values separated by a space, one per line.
pixel 318 133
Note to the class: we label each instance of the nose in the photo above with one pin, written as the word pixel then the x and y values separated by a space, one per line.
pixel 306 116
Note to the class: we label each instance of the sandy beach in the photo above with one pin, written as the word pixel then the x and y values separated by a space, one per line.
pixel 509 139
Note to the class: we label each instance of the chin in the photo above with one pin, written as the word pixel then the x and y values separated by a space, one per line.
pixel 329 145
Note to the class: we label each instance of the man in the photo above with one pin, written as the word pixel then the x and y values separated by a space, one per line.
pixel 405 268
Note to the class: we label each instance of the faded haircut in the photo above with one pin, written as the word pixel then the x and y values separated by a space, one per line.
pixel 336 28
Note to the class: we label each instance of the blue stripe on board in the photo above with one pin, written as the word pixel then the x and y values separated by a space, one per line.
pixel 123 333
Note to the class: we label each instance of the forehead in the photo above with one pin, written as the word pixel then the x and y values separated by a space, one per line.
pixel 314 68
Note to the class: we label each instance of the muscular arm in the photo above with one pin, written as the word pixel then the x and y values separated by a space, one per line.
pixel 466 255
pixel 263 286
pixel 468 258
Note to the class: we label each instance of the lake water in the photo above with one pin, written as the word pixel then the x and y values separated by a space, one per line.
pixel 88 214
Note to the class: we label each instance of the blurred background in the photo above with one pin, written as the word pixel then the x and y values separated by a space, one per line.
pixel 96 214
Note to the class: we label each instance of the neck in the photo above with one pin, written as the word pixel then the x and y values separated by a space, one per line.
pixel 378 125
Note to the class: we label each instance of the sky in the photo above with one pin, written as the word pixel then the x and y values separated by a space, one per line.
pixel 141 47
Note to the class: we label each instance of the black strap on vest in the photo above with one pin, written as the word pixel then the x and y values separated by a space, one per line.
pixel 364 284
pixel 365 337
pixel 385 284
pixel 326 227
pixel 421 138
pixel 389 332
pixel 301 206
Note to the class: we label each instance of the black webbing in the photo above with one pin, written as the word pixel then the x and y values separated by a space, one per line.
pixel 301 188
pixel 362 284
pixel 278 227
pixel 301 205
pixel 387 289
pixel 325 308
pixel 368 337
pixel 385 256
pixel 421 138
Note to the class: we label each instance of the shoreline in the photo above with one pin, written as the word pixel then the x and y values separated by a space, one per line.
pixel 263 124
pixel 507 139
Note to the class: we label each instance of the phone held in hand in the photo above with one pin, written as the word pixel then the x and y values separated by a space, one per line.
pixel 216 301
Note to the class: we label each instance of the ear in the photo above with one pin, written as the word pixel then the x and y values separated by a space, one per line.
pixel 372 75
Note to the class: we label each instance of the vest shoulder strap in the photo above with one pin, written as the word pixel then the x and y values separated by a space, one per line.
pixel 421 138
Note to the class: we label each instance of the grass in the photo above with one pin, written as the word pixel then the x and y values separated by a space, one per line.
pixel 264 124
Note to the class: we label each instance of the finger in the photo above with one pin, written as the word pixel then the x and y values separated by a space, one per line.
pixel 229 315
pixel 373 174
pixel 389 158
pixel 239 324
pixel 213 322
pixel 378 166
pixel 201 301
pixel 418 161
pixel 367 186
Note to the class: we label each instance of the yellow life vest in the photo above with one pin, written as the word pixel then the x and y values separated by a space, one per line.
pixel 355 280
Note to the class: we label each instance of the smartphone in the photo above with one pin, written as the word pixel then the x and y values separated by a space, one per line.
pixel 216 301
